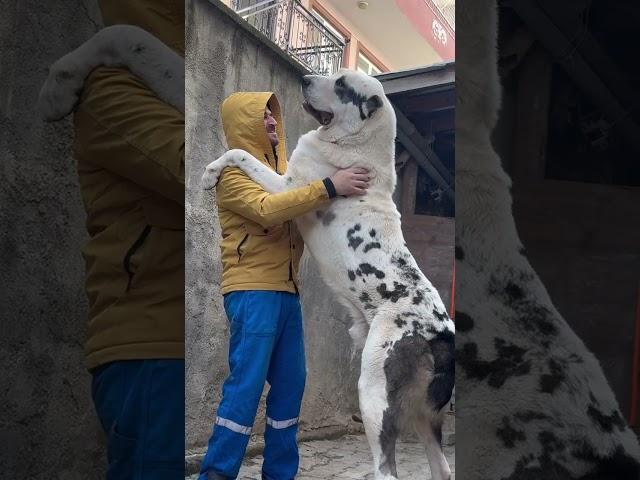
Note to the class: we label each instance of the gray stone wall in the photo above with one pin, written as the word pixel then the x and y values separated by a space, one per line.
pixel 224 56
pixel 49 428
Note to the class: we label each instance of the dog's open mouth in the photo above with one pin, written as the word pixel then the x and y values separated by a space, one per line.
pixel 323 117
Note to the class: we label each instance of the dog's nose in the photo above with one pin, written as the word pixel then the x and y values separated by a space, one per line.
pixel 306 81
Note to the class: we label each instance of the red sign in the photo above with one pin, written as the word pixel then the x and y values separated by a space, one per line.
pixel 430 23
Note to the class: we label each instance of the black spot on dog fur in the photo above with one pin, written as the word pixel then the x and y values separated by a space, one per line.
pixel 319 214
pixel 328 218
pixel 508 434
pixel 606 422
pixel 459 253
pixel 550 442
pixel 368 269
pixel 352 275
pixel 365 298
pixel 399 261
pixel 399 291
pixel 514 292
pixel 372 232
pixel 371 245
pixel 549 382
pixel 442 316
pixel 400 322
pixel 510 362
pixel 347 94
pixel 464 322
pixel 532 316
pixel 418 297
pixel 354 241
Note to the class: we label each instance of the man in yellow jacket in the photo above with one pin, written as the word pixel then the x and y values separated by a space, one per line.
pixel 260 253
pixel 129 147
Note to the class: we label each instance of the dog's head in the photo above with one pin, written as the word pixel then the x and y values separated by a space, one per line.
pixel 346 102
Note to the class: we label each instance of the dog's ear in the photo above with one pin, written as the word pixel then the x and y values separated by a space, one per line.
pixel 373 104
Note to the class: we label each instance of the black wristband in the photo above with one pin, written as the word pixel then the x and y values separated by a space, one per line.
pixel 331 189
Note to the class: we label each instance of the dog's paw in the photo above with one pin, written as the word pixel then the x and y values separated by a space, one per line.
pixel 60 92
pixel 234 157
pixel 211 176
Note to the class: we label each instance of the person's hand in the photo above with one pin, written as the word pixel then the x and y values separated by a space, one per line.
pixel 351 181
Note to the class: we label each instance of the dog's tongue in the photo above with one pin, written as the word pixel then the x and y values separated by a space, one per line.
pixel 323 117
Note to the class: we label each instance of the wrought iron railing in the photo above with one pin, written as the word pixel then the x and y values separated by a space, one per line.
pixel 294 29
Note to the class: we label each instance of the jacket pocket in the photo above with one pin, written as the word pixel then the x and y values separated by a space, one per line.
pixel 135 247
pixel 239 247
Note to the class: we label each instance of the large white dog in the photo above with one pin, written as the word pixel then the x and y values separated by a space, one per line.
pixel 400 323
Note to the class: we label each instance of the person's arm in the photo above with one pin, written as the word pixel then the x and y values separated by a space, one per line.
pixel 123 127
pixel 237 192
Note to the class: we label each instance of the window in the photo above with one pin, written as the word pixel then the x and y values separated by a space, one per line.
pixel 367 66
pixel 328 25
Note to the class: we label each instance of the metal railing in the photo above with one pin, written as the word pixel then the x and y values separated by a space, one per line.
pixel 294 29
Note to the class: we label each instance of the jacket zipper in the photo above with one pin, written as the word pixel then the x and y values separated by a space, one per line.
pixel 132 250
pixel 291 260
pixel 240 245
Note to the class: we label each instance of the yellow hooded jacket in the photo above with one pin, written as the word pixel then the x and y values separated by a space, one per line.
pixel 129 147
pixel 260 246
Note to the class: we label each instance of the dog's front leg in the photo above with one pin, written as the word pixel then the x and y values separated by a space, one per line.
pixel 126 46
pixel 269 180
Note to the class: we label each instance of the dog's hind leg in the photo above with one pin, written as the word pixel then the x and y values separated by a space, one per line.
pixel 430 432
pixel 379 417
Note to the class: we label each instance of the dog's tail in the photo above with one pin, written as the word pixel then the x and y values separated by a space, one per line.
pixel 440 388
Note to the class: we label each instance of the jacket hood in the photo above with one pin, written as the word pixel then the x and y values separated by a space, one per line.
pixel 162 18
pixel 243 123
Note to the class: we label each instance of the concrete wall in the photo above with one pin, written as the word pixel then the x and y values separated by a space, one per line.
pixel 223 56
pixel 49 429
